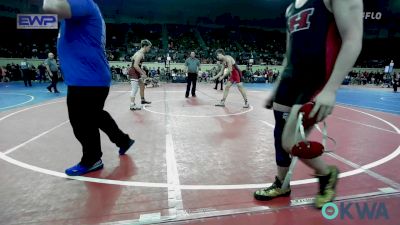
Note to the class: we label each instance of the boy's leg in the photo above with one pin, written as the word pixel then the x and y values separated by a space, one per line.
pixel 226 92
pixel 282 159
pixel 327 175
pixel 289 139
pixel 142 87
pixel 134 90
pixel 244 95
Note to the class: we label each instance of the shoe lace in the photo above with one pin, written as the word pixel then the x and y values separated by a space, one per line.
pixel 270 188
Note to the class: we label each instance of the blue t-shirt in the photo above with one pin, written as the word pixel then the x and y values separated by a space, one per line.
pixel 81 46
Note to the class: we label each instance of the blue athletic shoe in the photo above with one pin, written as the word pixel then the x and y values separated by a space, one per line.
pixel 79 170
pixel 123 150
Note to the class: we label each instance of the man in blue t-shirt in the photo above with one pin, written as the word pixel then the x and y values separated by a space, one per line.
pixel 81 50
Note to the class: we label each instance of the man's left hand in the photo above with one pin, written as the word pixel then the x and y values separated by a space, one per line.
pixel 324 103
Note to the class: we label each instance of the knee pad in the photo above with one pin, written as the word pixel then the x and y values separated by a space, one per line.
pixel 308 150
pixel 135 87
pixel 306 110
pixel 282 158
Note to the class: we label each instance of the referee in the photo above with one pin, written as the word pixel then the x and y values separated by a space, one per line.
pixel 219 68
pixel 192 65
pixel 52 69
pixel 26 73
pixel 88 77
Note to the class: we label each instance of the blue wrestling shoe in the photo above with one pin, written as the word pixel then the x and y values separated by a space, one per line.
pixel 123 150
pixel 79 170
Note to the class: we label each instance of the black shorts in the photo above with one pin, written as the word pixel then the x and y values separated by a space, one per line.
pixel 292 91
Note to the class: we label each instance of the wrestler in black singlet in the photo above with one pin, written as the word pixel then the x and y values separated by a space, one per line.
pixel 314 43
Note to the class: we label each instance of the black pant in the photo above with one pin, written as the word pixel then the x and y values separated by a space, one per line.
pixel 395 86
pixel 192 79
pixel 54 80
pixel 42 77
pixel 216 83
pixel 87 116
pixel 26 75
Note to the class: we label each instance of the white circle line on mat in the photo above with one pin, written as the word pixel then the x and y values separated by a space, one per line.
pixel 31 98
pixel 3 156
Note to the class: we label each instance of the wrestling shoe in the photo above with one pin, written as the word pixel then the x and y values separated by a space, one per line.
pixel 79 170
pixel 134 107
pixel 123 150
pixel 246 105
pixel 144 102
pixel 273 191
pixel 220 104
pixel 327 187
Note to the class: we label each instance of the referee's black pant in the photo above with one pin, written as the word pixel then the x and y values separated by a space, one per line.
pixel 54 80
pixel 26 76
pixel 216 83
pixel 191 80
pixel 87 116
